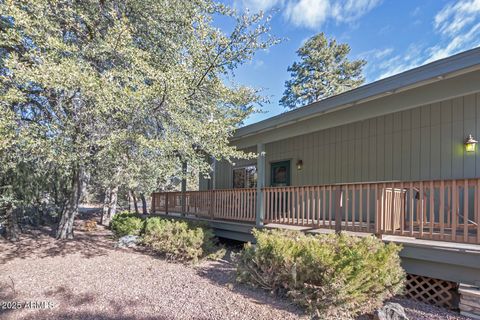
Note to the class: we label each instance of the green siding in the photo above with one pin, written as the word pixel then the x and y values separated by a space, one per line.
pixel 417 144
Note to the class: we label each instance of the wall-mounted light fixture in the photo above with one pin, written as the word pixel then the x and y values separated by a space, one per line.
pixel 470 144
pixel 299 164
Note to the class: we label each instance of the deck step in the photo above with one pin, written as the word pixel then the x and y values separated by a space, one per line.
pixel 469 301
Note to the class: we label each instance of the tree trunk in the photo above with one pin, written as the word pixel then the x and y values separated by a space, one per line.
pixel 144 204
pixel 12 229
pixel 65 227
pixel 85 177
pixel 130 199
pixel 109 206
pixel 113 203
pixel 135 203
pixel 106 207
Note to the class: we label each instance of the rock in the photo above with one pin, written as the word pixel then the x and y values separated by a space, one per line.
pixel 390 311
pixel 128 241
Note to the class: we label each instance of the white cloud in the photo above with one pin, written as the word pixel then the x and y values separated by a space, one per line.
pixel 376 53
pixel 259 64
pixel 456 43
pixel 458 24
pixel 309 13
pixel 416 12
pixel 313 13
pixel 455 16
pixel 458 27
pixel 395 64
pixel 257 5
pixel 351 10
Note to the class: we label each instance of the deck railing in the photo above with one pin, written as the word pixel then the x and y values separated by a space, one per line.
pixel 233 204
pixel 438 210
pixel 447 210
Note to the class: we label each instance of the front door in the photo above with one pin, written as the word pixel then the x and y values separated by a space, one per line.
pixel 279 200
pixel 280 174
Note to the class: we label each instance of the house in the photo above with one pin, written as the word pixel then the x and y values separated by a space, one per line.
pixel 396 157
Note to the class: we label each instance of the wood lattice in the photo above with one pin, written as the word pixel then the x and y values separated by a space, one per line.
pixel 433 291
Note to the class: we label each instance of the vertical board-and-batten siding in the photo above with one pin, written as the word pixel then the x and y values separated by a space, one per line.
pixel 224 171
pixel 423 143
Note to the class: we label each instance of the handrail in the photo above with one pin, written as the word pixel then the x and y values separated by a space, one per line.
pixel 447 210
pixel 232 204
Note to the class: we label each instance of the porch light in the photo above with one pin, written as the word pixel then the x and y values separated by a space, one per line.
pixel 470 144
pixel 299 165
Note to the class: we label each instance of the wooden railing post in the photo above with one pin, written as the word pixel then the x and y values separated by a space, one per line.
pixel 166 202
pixel 184 188
pixel 184 203
pixel 260 210
pixel 338 209
pixel 377 211
pixel 212 203
pixel 152 207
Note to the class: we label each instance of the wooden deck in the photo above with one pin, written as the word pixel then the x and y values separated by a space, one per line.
pixel 386 238
pixel 435 222
pixel 315 230
pixel 443 210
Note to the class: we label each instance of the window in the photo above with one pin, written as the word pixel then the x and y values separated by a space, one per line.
pixel 245 177
pixel 280 174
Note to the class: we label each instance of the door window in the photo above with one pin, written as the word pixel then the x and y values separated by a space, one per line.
pixel 280 174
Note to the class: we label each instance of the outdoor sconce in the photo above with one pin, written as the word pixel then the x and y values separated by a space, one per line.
pixel 299 165
pixel 470 144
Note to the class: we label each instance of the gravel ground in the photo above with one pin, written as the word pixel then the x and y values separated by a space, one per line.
pixel 421 311
pixel 88 278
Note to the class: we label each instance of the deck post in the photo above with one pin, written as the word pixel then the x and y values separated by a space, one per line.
pixel 212 204
pixel 152 207
pixel 166 202
pixel 338 209
pixel 184 187
pixel 260 184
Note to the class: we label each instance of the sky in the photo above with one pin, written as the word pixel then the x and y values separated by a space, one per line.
pixel 392 35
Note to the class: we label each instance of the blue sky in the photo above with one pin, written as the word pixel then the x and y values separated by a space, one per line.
pixel 392 35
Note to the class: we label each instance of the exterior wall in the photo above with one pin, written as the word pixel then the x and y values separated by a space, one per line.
pixel 417 144
pixel 203 184
pixel 224 171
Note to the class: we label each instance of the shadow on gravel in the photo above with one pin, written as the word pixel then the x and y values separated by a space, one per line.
pixel 41 243
pixel 69 302
pixel 96 316
pixel 222 272
pixel 7 293
pixel 68 297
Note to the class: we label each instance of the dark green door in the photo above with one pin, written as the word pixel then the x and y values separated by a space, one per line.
pixel 280 174
pixel 279 200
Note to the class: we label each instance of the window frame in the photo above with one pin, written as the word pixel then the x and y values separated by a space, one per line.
pixel 245 176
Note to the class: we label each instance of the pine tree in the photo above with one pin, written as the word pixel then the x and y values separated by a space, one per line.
pixel 323 71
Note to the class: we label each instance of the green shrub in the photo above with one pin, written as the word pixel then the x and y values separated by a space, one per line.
pixel 333 276
pixel 179 240
pixel 126 223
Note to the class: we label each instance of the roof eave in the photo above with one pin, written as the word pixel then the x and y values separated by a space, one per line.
pixel 455 65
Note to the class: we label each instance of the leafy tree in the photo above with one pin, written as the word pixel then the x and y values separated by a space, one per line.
pixel 112 87
pixel 323 71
